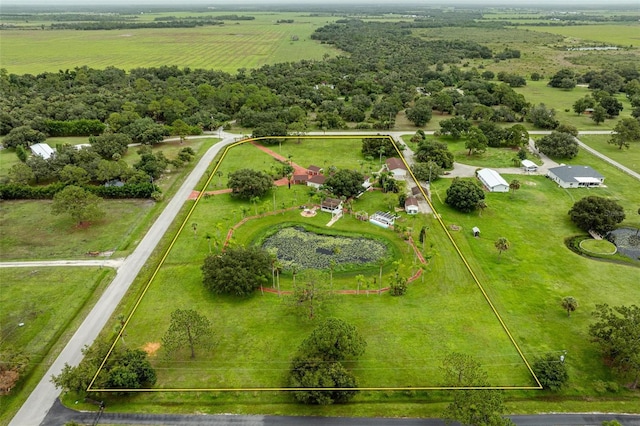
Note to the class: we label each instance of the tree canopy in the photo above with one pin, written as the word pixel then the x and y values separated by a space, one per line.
pixel 81 205
pixel 187 328
pixel 248 183
pixel 238 270
pixel 596 213
pixel 558 145
pixel 551 371
pixel 464 195
pixel 344 182
pixel 617 332
pixel 333 340
pixel 627 130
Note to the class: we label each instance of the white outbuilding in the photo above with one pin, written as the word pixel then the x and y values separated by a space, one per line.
pixel 529 166
pixel 42 149
pixel 493 181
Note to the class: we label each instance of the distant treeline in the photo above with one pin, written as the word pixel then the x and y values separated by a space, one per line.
pixel 111 25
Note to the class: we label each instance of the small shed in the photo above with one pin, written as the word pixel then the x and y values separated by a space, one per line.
pixel 493 181
pixel 42 149
pixel 476 231
pixel 382 219
pixel 411 205
pixel 331 205
pixel 529 166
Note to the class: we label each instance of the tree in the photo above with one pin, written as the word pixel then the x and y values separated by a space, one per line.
pixel 617 332
pixel 428 171
pixel 333 340
pixel 145 131
pixel 317 373
pixel 596 213
pixel 344 182
pixel 13 362
pixel 420 114
pixel 514 185
pixel 456 127
pixel 611 105
pixel 74 175
pixel 310 295
pixel 501 244
pixel 471 407
pixel 81 205
pixel 551 371
pixel 187 327
pixel 542 117
pixel 23 135
pixel 437 152
pixel 464 195
pixel 181 129
pixel 599 114
pixel 627 130
pixel 567 128
pixel 569 304
pixel 152 165
pixel 558 145
pixel 581 105
pixel 476 141
pixel 564 79
pixel 132 370
pixel 248 183
pixel 516 136
pixel 110 144
pixel 21 174
pixel 238 270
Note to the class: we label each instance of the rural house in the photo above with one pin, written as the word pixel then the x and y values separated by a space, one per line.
pixel 397 167
pixel 493 181
pixel 316 181
pixel 411 205
pixel 575 176
pixel 331 205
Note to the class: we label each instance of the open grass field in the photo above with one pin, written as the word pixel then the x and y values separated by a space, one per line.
pixel 627 157
pixel 228 47
pixel 523 283
pixel 50 302
pixel 619 34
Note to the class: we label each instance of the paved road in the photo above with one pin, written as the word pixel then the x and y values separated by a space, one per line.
pixel 107 263
pixel 59 415
pixel 35 408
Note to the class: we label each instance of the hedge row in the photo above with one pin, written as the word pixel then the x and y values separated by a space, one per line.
pixel 27 192
pixel 82 127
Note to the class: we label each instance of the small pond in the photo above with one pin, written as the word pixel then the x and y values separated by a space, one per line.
pixel 308 250
pixel 627 240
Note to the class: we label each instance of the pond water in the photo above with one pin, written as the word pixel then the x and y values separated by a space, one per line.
pixel 627 240
pixel 308 250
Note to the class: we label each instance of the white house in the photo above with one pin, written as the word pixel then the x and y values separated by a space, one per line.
pixel 575 176
pixel 397 167
pixel 529 166
pixel 411 205
pixel 493 181
pixel 316 181
pixel 331 205
pixel 42 149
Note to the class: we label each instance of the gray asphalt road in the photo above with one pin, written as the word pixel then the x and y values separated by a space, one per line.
pixel 59 415
pixel 33 411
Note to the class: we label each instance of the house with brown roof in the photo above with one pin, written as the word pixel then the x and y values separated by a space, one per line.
pixel 299 179
pixel 331 205
pixel 411 205
pixel 316 181
pixel 314 170
pixel 397 167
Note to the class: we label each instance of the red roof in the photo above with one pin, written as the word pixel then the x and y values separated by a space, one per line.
pixel 411 201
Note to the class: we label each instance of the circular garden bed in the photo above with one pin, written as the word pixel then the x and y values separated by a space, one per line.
pixel 602 247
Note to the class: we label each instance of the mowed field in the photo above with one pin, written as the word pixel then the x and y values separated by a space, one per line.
pixel 228 47
pixel 623 35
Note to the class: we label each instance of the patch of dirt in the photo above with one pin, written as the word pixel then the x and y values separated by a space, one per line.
pixel 530 183
pixel 455 227
pixel 151 348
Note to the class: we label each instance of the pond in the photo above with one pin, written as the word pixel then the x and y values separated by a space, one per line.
pixel 627 240
pixel 308 250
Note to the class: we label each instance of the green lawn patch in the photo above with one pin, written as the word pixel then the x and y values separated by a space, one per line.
pixel 50 303
pixel 627 157
pixel 598 247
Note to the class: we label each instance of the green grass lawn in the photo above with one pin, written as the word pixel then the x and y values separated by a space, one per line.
pixel 618 34
pixel 228 47
pixel 29 230
pixel 627 157
pixel 51 303
pixel 598 246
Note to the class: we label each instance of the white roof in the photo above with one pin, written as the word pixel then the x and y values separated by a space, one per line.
pixel 491 178
pixel 587 179
pixel 42 149
pixel 528 163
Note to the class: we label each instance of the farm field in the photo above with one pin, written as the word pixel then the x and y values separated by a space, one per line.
pixel 619 34
pixel 228 47
pixel 51 302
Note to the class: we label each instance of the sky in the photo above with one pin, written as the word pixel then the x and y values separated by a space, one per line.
pixel 178 3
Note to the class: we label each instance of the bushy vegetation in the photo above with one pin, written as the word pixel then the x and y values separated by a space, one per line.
pixel 238 271
pixel 596 213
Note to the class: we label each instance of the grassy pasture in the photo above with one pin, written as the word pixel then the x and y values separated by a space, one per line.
pixel 627 157
pixel 228 47
pixel 617 34
pixel 51 302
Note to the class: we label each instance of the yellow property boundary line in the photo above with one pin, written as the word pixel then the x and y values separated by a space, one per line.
pixel 276 389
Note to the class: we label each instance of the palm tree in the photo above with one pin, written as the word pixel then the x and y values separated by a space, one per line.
pixel 381 263
pixel 332 265
pixel 481 205
pixel 514 186
pixel 254 201
pixel 569 304
pixel 360 280
pixel 277 265
pixel 502 244
pixel 194 226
